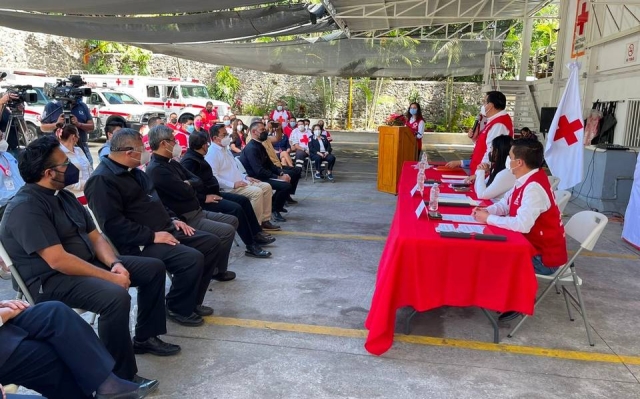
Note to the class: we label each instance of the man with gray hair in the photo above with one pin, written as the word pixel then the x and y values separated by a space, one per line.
pixel 131 214
pixel 177 187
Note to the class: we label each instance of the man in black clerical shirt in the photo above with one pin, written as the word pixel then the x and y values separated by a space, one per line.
pixel 57 250
pixel 128 209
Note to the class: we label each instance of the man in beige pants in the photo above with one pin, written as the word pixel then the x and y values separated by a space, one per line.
pixel 233 180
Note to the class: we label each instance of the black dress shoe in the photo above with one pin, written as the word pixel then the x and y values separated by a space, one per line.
pixel 193 320
pixel 202 310
pixel 268 226
pixel 291 201
pixel 256 252
pixel 508 316
pixel 278 217
pixel 146 386
pixel 261 239
pixel 283 210
pixel 155 346
pixel 226 276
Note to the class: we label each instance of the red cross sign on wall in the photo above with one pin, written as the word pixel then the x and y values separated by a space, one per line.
pixel 579 29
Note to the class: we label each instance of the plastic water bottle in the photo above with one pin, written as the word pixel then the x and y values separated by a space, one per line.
pixel 424 163
pixel 433 198
pixel 421 180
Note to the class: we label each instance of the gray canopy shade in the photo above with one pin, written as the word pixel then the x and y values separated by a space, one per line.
pixel 204 27
pixel 125 7
pixel 340 57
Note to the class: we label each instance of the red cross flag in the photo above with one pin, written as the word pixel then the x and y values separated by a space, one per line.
pixel 564 152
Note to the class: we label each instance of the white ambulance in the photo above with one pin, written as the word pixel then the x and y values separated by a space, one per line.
pixel 185 97
pixel 111 105
pixel 32 111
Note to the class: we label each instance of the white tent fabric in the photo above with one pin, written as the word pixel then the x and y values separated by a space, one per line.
pixel 203 27
pixel 340 57
pixel 125 7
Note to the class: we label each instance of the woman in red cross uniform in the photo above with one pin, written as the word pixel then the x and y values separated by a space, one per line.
pixel 415 122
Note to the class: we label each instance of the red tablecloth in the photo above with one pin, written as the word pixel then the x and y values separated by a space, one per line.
pixel 420 269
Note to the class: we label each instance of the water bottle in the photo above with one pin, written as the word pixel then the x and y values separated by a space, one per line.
pixel 421 180
pixel 433 198
pixel 424 163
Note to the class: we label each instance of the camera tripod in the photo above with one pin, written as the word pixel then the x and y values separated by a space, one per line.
pixel 24 136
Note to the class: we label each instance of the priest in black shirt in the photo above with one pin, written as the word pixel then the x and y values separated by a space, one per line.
pixel 131 214
pixel 61 256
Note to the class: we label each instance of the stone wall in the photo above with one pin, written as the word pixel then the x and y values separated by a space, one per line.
pixel 59 55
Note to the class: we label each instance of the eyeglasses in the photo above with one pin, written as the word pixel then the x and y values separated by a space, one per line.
pixel 66 163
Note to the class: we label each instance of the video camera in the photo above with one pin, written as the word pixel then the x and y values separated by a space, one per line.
pixel 67 90
pixel 19 95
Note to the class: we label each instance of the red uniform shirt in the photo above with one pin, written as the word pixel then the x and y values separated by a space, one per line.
pixel 481 143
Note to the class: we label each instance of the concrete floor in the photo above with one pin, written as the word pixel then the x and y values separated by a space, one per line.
pixel 292 326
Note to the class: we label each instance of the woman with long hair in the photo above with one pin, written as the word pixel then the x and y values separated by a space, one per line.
pixel 238 138
pixel 415 122
pixel 500 179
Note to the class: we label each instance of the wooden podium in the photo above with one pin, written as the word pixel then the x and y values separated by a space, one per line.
pixel 396 144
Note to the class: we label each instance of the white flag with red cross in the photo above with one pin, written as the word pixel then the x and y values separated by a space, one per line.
pixel 564 152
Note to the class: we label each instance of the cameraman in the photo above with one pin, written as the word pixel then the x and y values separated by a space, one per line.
pixel 80 117
pixel 12 135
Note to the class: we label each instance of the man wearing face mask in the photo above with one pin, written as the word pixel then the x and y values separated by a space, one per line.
pixel 173 121
pixel 176 187
pixel 299 141
pixel 290 127
pixel 280 114
pixel 530 208
pixel 258 165
pixel 66 259
pixel 498 123
pixel 129 210
pixel 209 116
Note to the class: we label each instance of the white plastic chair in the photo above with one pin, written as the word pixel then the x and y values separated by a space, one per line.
pixel 562 199
pixel 554 181
pixel 23 291
pixel 586 228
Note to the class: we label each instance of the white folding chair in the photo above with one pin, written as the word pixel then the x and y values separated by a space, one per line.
pixel 586 228
pixel 554 181
pixel 23 291
pixel 562 199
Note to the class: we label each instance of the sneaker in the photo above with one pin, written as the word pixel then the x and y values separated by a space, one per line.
pixel 330 176
pixel 317 175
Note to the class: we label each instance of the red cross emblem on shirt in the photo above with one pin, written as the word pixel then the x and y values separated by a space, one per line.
pixel 305 140
pixel 567 130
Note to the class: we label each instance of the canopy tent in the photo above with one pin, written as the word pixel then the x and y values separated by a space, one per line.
pixel 341 57
pixel 202 27
pixel 200 30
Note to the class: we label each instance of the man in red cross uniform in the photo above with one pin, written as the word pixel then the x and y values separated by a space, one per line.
pixel 209 115
pixel 530 208
pixel 299 141
pixel 497 123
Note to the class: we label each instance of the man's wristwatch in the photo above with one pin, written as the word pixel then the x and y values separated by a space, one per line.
pixel 115 262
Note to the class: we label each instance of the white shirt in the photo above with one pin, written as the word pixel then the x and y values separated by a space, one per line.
pixel 502 183
pixel 224 167
pixel 534 202
pixel 322 149
pixel 81 162
pixel 496 130
pixel 296 136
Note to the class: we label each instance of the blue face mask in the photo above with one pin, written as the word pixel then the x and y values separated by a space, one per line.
pixel 227 123
pixel 190 128
pixel 279 107
pixel 413 111
pixel 292 124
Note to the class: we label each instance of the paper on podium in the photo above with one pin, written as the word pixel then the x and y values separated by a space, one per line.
pixel 462 228
pixel 455 196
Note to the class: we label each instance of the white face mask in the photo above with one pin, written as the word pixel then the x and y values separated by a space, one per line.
pixel 317 132
pixel 239 128
pixel 227 122
pixel 145 157
pixel 507 163
pixel 177 151
pixel 483 110
pixel 301 128
pixel 225 141
pixel 4 146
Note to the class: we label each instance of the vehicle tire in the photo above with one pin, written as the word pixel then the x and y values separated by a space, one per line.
pixel 97 132
pixel 30 135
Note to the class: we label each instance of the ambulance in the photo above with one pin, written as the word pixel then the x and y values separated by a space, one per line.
pixel 185 97
pixel 32 111
pixel 110 105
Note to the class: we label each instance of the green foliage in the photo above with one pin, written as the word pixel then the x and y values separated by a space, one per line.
pixel 111 57
pixel 254 109
pixel 326 86
pixel 415 97
pixel 226 85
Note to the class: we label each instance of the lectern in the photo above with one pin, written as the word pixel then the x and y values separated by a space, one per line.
pixel 396 144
